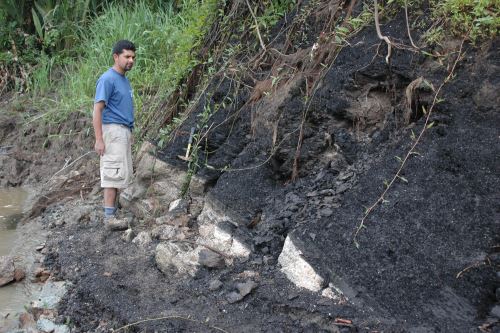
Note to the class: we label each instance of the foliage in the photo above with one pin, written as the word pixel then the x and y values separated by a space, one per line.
pixel 164 40
pixel 273 11
pixel 477 18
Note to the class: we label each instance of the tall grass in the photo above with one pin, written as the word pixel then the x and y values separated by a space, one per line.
pixel 164 40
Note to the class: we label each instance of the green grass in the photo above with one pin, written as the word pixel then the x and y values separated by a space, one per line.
pixel 479 19
pixel 164 40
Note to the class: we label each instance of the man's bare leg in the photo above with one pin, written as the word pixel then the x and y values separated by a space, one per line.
pixel 109 200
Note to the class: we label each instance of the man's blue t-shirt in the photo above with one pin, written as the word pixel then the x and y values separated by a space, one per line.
pixel 114 90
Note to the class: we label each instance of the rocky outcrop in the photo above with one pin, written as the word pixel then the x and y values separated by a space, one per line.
pixel 177 258
pixel 296 267
pixel 220 228
pixel 7 270
pixel 162 180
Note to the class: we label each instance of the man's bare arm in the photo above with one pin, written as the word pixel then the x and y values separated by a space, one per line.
pixel 97 123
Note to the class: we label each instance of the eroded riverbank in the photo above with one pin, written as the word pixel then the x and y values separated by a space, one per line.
pixel 245 249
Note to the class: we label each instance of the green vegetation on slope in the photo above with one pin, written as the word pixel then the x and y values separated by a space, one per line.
pixel 164 41
pixel 58 48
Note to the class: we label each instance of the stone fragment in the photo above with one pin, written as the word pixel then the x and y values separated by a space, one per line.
pixel 214 285
pixel 42 274
pixel 6 270
pixel 164 232
pixel 246 288
pixel 46 325
pixel 267 259
pixel 142 239
pixel 210 259
pixel 128 235
pixel 116 224
pixel 199 184
pixel 131 194
pixel 168 232
pixel 176 258
pixel 19 274
pixel 326 212
pixel 495 311
pixel 333 294
pixel 174 218
pixel 179 205
pixel 27 322
pixel 296 268
pixel 218 227
pixel 233 297
pixel 51 295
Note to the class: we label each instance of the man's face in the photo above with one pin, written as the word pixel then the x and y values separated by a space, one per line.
pixel 125 60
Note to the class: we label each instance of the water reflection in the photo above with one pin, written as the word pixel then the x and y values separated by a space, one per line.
pixel 14 296
pixel 12 202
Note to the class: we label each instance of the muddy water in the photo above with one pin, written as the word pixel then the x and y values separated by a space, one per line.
pixel 18 241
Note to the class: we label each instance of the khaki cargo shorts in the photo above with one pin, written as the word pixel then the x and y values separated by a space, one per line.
pixel 116 163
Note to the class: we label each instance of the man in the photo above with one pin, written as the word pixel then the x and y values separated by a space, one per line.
pixel 113 121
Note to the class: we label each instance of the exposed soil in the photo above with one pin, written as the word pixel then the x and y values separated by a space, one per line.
pixel 440 220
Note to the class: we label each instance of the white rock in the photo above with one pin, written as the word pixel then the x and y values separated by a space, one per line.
pixel 239 249
pixel 177 258
pixel 142 239
pixel 216 229
pixel 297 269
pixel 246 288
pixel 51 294
pixel 214 285
pixel 45 325
pixel 178 205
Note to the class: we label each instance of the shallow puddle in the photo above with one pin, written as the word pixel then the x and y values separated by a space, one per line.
pixel 19 241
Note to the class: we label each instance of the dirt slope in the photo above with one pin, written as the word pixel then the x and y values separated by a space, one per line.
pixel 441 219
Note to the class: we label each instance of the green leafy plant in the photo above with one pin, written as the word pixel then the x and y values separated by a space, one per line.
pixel 478 19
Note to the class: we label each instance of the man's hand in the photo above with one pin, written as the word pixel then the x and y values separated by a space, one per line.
pixel 99 147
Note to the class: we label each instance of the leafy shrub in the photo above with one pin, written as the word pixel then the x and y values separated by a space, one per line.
pixel 164 39
pixel 477 18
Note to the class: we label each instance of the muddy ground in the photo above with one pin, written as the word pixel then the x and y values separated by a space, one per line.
pixel 440 220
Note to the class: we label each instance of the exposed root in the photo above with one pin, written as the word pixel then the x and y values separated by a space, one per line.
pixel 379 34
pixel 485 262
pixel 408 26
pixel 409 95
pixel 397 176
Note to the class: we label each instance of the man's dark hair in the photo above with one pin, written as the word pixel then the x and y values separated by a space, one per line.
pixel 123 45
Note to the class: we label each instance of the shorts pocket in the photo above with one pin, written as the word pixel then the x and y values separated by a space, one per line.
pixel 112 168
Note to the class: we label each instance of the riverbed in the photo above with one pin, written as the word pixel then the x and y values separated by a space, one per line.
pixel 18 240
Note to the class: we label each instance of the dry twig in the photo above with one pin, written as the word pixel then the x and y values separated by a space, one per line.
pixel 256 26
pixel 167 318
pixel 474 265
pixel 68 165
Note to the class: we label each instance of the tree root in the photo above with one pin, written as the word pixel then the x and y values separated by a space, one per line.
pixel 379 34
